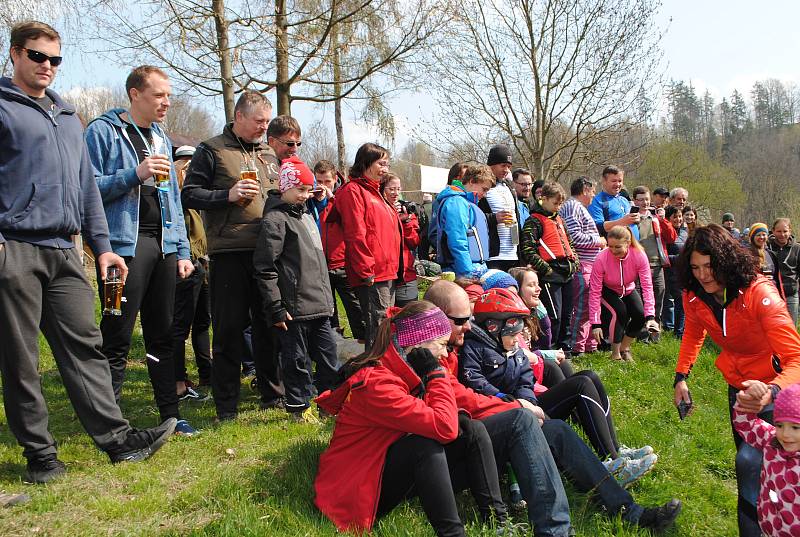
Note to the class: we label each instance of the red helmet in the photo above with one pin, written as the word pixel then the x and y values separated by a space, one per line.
pixel 500 303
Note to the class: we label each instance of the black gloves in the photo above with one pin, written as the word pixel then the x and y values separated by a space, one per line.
pixel 423 362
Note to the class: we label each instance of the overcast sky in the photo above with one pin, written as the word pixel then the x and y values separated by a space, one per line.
pixel 721 45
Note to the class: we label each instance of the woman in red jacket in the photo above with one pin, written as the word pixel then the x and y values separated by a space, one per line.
pixel 742 311
pixel 394 413
pixel 407 288
pixel 372 236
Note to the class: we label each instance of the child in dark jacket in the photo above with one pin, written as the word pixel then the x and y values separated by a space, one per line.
pixel 292 275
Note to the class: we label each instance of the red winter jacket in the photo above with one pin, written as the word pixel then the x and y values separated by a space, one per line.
pixel 410 243
pixel 375 407
pixel 332 238
pixel 756 327
pixel 372 232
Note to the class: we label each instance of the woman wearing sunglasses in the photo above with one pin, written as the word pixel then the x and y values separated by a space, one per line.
pixel 493 361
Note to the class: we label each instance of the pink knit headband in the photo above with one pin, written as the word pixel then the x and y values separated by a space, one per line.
pixel 426 326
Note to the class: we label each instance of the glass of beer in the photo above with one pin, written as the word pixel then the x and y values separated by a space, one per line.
pixel 112 291
pixel 248 170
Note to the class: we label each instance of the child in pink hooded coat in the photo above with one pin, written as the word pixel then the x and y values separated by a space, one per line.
pixel 779 498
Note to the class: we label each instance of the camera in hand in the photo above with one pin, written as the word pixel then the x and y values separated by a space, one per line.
pixel 410 207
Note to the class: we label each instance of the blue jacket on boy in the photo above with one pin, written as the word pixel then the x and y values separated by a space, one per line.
pixel 114 160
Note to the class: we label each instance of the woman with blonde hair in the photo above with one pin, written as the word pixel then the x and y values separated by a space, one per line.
pixel 615 306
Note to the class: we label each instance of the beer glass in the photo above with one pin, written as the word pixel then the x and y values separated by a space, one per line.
pixel 248 170
pixel 112 292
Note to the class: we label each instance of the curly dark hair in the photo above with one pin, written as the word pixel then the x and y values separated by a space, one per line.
pixel 734 266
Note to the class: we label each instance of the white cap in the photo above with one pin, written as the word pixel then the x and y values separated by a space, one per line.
pixel 184 151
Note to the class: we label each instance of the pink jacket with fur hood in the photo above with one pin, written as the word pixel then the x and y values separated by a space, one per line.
pixel 620 276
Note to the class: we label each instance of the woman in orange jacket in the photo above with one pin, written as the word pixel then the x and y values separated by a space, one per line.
pixel 741 310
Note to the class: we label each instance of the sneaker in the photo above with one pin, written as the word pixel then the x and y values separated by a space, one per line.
pixel 614 465
pixel 634 469
pixel 10 500
pixel 190 393
pixel 661 517
pixel 634 453
pixel 142 444
pixel 305 416
pixel 44 469
pixel 182 428
pixel 277 402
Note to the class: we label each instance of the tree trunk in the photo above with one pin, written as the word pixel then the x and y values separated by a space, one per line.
pixel 337 104
pixel 225 64
pixel 283 88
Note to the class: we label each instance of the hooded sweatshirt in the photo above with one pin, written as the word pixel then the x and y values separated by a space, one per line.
pixel 47 188
pixel 114 159
pixel 619 275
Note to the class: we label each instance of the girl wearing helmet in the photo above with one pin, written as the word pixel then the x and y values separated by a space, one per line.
pixel 493 362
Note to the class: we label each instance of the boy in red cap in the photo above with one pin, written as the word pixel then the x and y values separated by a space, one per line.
pixel 292 275
pixel 779 498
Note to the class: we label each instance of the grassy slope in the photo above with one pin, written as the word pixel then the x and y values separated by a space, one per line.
pixel 193 486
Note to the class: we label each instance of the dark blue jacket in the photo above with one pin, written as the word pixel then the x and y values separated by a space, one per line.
pixel 483 367
pixel 47 188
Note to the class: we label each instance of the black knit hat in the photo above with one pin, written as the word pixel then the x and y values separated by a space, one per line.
pixel 499 154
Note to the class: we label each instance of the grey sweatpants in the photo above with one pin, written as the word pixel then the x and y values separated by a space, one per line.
pixel 47 288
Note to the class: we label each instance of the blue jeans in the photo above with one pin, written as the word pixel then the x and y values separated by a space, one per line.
pixel 792 305
pixel 518 439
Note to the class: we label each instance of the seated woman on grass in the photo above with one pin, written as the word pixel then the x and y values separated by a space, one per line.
pixel 399 434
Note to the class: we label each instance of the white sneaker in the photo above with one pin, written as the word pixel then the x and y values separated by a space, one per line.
pixel 634 453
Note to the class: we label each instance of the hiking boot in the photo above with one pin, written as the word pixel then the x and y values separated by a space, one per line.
pixel 44 469
pixel 10 500
pixel 305 416
pixel 182 428
pixel 634 453
pixel 142 444
pixel 614 465
pixel 661 517
pixel 634 469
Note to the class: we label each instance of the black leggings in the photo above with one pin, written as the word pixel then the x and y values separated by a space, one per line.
pixel 417 466
pixel 584 394
pixel 621 316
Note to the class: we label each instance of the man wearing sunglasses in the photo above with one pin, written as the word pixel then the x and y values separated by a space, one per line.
pixel 48 194
pixel 283 136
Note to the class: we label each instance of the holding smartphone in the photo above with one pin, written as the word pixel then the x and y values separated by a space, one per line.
pixel 634 209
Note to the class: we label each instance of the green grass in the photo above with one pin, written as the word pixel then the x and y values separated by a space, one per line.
pixel 195 487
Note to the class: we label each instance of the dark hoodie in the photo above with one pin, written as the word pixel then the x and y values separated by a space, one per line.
pixel 787 259
pixel 291 271
pixel 47 188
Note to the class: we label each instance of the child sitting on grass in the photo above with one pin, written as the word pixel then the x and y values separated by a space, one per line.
pixel 779 498
pixel 292 275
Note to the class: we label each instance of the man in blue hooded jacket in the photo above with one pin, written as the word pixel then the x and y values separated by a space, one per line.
pixel 47 195
pixel 459 229
pixel 132 160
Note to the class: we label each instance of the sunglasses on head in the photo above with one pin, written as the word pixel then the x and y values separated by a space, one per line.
pixel 459 321
pixel 291 144
pixel 41 57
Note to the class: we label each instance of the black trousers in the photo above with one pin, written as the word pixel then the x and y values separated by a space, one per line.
pixel 417 466
pixel 192 313
pixel 557 299
pixel 621 316
pixel 352 307
pixel 46 288
pixel 303 344
pixel 149 291
pixel 235 304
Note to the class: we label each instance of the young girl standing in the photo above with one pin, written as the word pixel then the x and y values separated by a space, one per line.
pixel 779 500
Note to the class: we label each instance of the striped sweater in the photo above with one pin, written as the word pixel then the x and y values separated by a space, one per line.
pixel 581 229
